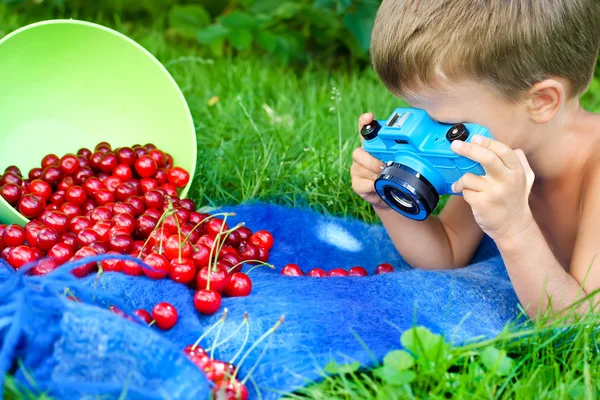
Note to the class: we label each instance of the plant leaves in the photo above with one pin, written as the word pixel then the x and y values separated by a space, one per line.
pixel 422 343
pixel 267 40
pixel 334 368
pixel 398 359
pixel 496 360
pixel 188 19
pixel 211 34
pixel 239 20
pixel 240 38
pixel 288 9
pixel 396 377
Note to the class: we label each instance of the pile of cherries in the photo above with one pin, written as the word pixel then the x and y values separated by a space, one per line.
pixel 294 270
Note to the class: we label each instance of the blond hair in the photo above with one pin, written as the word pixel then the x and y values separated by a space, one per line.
pixel 507 44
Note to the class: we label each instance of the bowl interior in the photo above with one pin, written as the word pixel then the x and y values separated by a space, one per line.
pixel 69 84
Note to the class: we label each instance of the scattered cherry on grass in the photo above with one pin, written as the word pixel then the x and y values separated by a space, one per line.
pixel 337 272
pixel 219 278
pixel 182 270
pixel 292 270
pixel 143 315
pixel 384 269
pixel 317 273
pixel 239 285
pixel 207 302
pixel 165 315
pixel 357 271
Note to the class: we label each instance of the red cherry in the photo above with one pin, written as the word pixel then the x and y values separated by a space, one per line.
pixel 32 230
pixel 65 183
pixel 84 270
pixel 112 183
pixel 291 270
pixel 178 177
pixel 206 241
pixel 158 238
pixel 103 147
pixel 112 265
pixel 123 208
pixel 182 270
pixel 52 175
pixel 148 184
pixel 230 389
pixel 239 285
pixel 145 166
pixel 88 206
pixel 165 315
pixel 41 189
pixel 153 199
pixel 117 230
pixel 201 257
pixel 262 239
pixel 102 228
pixel 234 260
pixel 83 175
pixel 153 213
pixel 162 177
pixel 207 302
pixel 79 223
pixel 159 264
pixel 58 198
pixel 124 221
pixel 248 251
pixel 44 267
pixel 158 156
pixel 104 197
pixel 10 177
pixel 47 238
pixel 219 278
pixel 69 164
pixel 100 247
pixel 31 206
pixel 125 190
pixel 84 152
pixel 144 225
pixel 316 273
pixel 13 169
pixel 71 210
pixel 4 253
pixel 219 370
pixel 191 235
pixel 108 163
pixel 143 315
pixel 337 272
pixel 86 237
pixel 233 239
pixel 169 189
pixel 194 351
pixel 122 244
pixel 14 235
pixel 76 195
pixel 263 254
pixel 384 268
pixel 215 226
pixel 50 159
pixel 11 193
pixel 123 172
pixel 140 151
pixel 70 239
pixel 60 253
pixel 100 214
pixel 357 271
pixel 131 268
pixel 174 248
pixel 244 233
pixel 169 163
pixel 20 256
pixel 35 173
pixel 92 185
pixel 126 156
pixel 95 159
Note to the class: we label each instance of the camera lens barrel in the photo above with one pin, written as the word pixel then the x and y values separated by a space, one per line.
pixel 407 191
pixel 370 131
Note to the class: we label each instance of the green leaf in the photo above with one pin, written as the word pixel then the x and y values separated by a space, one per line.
pixel 360 23
pixel 334 368
pixel 396 377
pixel 267 40
pixel 264 7
pixel 239 20
pixel 188 19
pixel 240 38
pixel 398 359
pixel 211 34
pixel 288 9
pixel 496 360
pixel 320 17
pixel 422 343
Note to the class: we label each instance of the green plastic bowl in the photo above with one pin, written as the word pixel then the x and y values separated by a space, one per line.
pixel 67 84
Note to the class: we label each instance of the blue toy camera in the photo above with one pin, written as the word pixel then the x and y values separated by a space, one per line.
pixel 421 166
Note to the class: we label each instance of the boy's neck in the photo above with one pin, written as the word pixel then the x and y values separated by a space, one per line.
pixel 559 143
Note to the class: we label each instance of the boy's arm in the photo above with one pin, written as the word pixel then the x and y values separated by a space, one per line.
pixel 444 242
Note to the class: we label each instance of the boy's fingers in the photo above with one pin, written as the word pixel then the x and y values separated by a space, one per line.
pixel 365 119
pixel 363 158
pixel 469 181
pixel 490 162
pixel 358 171
pixel 363 186
pixel 505 153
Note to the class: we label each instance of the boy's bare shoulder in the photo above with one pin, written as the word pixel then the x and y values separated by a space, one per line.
pixel 591 172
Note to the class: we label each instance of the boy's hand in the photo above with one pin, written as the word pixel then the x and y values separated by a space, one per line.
pixel 499 199
pixel 365 169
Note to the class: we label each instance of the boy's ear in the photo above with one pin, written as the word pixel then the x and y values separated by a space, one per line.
pixel 545 99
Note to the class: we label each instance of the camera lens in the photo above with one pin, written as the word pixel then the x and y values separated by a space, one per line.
pixel 457 132
pixel 402 200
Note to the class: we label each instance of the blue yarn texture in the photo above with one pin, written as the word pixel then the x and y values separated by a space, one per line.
pixel 71 349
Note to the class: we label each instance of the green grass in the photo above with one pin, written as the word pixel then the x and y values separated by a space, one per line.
pixel 287 136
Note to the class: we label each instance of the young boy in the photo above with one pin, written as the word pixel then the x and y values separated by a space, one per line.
pixel 516 67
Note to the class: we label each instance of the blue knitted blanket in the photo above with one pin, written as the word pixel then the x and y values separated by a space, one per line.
pixel 70 349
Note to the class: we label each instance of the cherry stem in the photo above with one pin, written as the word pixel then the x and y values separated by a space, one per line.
pixel 213 264
pixel 212 350
pixel 260 264
pixel 263 337
pixel 152 322
pixel 209 330
pixel 160 221
pixel 68 292
pixel 262 354
pixel 236 355
pixel 245 321
pixel 187 238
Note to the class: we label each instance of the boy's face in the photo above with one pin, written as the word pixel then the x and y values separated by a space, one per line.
pixel 472 102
